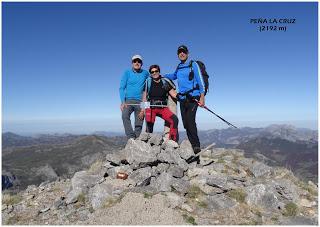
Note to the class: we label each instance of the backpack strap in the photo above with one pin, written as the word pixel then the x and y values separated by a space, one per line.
pixel 148 86
pixel 166 80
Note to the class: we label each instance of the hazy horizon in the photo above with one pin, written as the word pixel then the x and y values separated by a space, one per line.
pixel 89 127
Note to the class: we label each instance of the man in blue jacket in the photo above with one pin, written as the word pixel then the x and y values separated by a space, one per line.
pixel 131 88
pixel 191 88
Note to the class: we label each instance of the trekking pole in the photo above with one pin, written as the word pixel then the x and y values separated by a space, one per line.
pixel 145 105
pixel 215 114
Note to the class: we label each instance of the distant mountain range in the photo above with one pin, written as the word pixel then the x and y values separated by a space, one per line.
pixel 37 163
pixel 13 140
pixel 231 137
pixel 31 160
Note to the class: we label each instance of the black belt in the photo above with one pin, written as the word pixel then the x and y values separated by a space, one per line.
pixel 158 102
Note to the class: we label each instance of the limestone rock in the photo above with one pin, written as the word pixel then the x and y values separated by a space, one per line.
pixel 259 169
pixel 219 181
pixel 175 171
pixel 218 202
pixel 98 195
pixel 258 195
pixel 155 139
pixel 169 144
pixel 144 136
pixel 185 150
pixel 137 151
pixel 140 175
pixel 163 182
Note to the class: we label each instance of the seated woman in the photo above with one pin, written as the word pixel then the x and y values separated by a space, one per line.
pixel 157 90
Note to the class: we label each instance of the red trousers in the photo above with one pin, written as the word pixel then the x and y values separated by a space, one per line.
pixel 166 115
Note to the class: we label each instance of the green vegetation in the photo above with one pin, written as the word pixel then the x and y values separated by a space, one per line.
pixel 194 192
pixel 147 195
pixel 95 166
pixel 202 204
pixel 12 220
pixel 291 209
pixel 308 188
pixel 91 210
pixel 11 199
pixel 81 198
pixel 109 202
pixel 220 160
pixel 274 218
pixel 251 222
pixel 189 219
pixel 237 194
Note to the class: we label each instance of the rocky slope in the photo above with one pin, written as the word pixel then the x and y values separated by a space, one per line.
pixel 38 163
pixel 162 188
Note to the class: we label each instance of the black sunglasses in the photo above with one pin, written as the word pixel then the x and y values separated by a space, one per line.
pixel 137 60
pixel 154 71
pixel 183 51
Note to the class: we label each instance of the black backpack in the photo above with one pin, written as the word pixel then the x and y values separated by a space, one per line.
pixel 204 75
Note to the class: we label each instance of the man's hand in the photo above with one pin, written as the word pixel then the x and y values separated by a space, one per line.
pixel 141 115
pixel 122 106
pixel 201 101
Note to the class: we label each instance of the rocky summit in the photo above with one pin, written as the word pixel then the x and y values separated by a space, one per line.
pixel 160 188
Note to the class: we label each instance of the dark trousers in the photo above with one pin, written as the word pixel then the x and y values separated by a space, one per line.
pixel 126 113
pixel 188 109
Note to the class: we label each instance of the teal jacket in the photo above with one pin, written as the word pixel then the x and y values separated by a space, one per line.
pixel 132 84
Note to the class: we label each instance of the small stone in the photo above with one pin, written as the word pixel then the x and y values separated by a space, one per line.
pixel 155 139
pixel 218 181
pixel 30 197
pixel 220 201
pixel 98 194
pixel 161 167
pixel 307 203
pixel 175 171
pixel 140 175
pixel 101 180
pixel 186 207
pixel 144 136
pixel 180 185
pixel 196 171
pixel 10 209
pixel 44 210
pixel 205 161
pixel 169 144
pixel 312 184
pixel 4 207
pixel 115 158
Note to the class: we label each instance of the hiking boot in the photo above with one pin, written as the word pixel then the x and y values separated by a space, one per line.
pixel 193 158
pixel 196 150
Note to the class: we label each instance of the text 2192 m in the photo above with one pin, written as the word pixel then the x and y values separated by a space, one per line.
pixel 272 28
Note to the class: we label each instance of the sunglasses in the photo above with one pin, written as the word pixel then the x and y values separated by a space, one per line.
pixel 137 60
pixel 183 51
pixel 154 71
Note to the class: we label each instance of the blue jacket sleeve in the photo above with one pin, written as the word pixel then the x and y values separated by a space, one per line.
pixel 123 86
pixel 171 76
pixel 198 76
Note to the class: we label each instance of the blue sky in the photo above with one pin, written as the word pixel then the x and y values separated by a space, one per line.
pixel 62 62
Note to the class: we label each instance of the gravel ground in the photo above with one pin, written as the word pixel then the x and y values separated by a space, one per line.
pixel 134 209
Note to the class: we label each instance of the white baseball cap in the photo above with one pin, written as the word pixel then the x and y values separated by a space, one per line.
pixel 137 56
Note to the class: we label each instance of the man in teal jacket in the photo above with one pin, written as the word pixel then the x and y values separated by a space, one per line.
pixel 131 88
